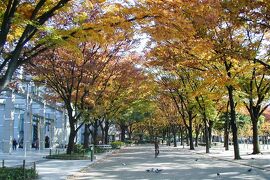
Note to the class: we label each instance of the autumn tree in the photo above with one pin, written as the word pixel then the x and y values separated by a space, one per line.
pixel 21 25
pixel 73 74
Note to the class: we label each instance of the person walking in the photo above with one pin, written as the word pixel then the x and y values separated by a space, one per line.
pixel 14 144
pixel 156 148
pixel 37 144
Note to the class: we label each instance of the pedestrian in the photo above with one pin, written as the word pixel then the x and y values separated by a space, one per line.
pixel 37 144
pixel 14 144
pixel 156 148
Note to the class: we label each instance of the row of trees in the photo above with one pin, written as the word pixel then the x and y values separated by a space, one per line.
pixel 204 58
pixel 212 56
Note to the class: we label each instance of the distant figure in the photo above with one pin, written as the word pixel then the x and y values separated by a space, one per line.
pixel 37 144
pixel 47 142
pixel 156 149
pixel 14 144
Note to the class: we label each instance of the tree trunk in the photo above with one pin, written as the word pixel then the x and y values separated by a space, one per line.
pixel 233 123
pixel 123 132
pixel 130 132
pixel 187 136
pixel 210 128
pixel 94 132
pixel 256 147
pixel 197 132
pixel 71 139
pixel 168 137
pixel 226 131
pixel 191 145
pixel 182 136
pixel 206 134
pixel 174 136
pixel 106 132
pixel 86 135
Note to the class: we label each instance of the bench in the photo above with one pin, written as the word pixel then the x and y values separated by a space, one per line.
pixel 104 146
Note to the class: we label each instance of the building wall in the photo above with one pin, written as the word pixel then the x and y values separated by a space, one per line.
pixel 29 120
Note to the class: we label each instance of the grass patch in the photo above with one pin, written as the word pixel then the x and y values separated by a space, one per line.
pixel 74 156
pixel 8 173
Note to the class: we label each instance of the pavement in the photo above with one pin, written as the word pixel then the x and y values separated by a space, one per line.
pixel 132 163
pixel 48 169
pixel 177 164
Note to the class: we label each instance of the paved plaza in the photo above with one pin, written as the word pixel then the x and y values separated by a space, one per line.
pixel 175 163
pixel 134 162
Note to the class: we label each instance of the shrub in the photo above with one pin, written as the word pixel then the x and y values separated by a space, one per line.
pixel 17 174
pixel 128 142
pixel 117 144
pixel 99 150
pixel 69 156
pixel 78 148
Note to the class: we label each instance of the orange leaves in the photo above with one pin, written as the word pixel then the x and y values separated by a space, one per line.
pixel 25 10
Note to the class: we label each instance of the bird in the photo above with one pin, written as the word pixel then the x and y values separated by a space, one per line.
pixel 158 170
pixel 196 159
pixel 218 174
pixel 123 164
pixel 253 158
pixel 147 170
pixel 249 170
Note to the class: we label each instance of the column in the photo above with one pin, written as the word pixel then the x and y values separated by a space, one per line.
pixel 42 112
pixel 8 125
pixel 64 128
pixel 53 121
pixel 28 139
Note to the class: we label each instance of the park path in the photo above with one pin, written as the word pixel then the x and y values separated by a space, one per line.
pixel 176 164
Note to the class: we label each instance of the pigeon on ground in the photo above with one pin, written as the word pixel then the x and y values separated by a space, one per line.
pixel 249 170
pixel 123 164
pixel 158 170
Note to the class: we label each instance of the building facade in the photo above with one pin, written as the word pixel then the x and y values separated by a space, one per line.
pixel 27 118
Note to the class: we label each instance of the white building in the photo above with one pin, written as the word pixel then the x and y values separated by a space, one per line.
pixel 25 116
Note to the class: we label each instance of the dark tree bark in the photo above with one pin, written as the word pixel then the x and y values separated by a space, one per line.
pixel 226 132
pixel 233 123
pixel 17 56
pixel 123 132
pixel 187 137
pixel 86 135
pixel 168 136
pixel 206 135
pixel 228 66
pixel 106 133
pixel 190 130
pixel 197 132
pixel 255 142
pixel 182 135
pixel 94 131
pixel 174 136
pixel 211 123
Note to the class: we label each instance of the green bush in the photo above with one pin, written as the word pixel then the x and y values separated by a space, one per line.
pixel 17 174
pixel 83 156
pixel 78 148
pixel 99 149
pixel 117 144
pixel 128 142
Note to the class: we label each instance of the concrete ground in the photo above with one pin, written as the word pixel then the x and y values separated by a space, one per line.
pixel 176 163
pixel 47 169
pixel 132 163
